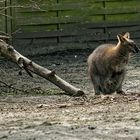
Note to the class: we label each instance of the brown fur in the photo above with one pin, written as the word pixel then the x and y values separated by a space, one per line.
pixel 107 65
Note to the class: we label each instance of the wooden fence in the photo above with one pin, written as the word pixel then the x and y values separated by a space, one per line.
pixel 60 21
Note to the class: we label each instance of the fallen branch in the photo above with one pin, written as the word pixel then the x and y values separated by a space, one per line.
pixel 4 37
pixel 30 67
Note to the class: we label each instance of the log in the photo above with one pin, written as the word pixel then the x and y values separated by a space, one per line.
pixel 5 37
pixel 30 67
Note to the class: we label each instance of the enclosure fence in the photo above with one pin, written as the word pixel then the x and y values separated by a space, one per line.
pixel 64 21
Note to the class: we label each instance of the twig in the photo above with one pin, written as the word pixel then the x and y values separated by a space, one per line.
pixel 10 86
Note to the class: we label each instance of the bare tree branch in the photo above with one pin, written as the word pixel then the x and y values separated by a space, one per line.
pixel 4 37
pixel 9 52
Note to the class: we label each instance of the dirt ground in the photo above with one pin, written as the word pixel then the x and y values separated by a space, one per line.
pixel 35 109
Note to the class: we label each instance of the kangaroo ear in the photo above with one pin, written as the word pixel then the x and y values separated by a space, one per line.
pixel 127 35
pixel 120 38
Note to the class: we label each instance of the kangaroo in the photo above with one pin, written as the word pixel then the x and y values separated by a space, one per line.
pixel 107 65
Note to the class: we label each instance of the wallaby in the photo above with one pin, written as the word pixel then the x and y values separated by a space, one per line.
pixel 107 65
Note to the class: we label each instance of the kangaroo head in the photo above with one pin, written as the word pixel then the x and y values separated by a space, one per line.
pixel 126 42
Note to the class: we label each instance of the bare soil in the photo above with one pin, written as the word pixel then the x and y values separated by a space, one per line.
pixel 34 109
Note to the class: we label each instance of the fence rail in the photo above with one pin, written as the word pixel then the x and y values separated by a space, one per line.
pixel 69 20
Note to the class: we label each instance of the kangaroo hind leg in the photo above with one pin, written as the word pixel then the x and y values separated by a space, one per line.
pixel 96 84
